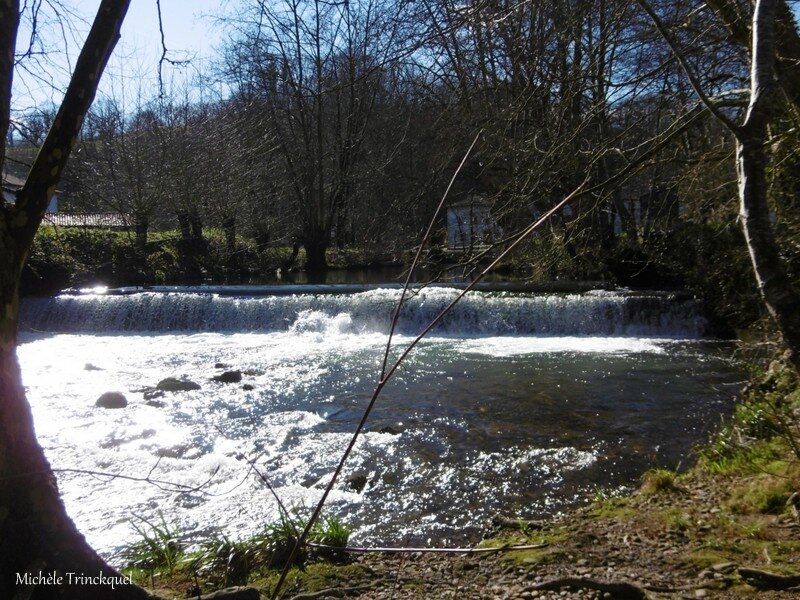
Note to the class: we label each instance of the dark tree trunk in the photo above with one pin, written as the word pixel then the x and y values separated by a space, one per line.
pixel 141 226
pixel 184 225
pixel 9 22
pixel 197 226
pixel 229 228
pixel 36 534
pixel 315 242
pixel 315 255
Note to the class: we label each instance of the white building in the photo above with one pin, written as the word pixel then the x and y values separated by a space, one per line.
pixel 470 223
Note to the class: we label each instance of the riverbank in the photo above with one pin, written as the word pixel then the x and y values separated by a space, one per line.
pixel 728 528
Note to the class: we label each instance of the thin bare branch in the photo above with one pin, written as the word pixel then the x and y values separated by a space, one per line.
pixel 707 101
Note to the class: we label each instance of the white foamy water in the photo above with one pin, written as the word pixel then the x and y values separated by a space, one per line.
pixel 473 423
pixel 478 313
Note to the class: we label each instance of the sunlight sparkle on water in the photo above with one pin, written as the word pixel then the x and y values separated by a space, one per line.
pixel 471 425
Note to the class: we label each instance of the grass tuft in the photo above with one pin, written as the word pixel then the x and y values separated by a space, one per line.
pixel 657 481
pixel 158 549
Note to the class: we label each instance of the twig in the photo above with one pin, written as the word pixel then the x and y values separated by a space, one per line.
pixel 425 238
pixel 709 103
pixel 390 550
pixel 163 58
pixel 764 580
pixel 169 486
pixel 281 506
pixel 384 379
pixel 336 592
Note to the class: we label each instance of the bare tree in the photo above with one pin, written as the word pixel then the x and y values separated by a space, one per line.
pixel 317 68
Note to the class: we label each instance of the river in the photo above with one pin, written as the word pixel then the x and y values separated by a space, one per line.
pixel 522 403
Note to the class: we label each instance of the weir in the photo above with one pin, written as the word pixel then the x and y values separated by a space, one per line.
pixel 480 313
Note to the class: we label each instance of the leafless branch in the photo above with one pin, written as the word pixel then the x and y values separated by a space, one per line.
pixel 708 102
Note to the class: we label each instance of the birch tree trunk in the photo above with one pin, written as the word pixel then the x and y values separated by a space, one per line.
pixel 781 299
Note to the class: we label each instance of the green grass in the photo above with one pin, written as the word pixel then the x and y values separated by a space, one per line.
pixel 225 561
pixel 159 548
pixel 764 494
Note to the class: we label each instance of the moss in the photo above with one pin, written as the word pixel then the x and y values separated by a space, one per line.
pixel 549 538
pixel 676 520
pixel 764 494
pixel 613 508
pixel 705 558
pixel 314 577
pixel 535 557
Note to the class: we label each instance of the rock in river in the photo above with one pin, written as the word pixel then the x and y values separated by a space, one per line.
pixel 171 384
pixel 229 377
pixel 112 400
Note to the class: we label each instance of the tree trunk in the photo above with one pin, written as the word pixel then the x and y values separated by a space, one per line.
pixel 36 534
pixel 141 226
pixel 315 254
pixel 9 22
pixel 184 225
pixel 781 299
pixel 197 226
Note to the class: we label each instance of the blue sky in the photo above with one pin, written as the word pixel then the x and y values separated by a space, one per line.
pixel 190 32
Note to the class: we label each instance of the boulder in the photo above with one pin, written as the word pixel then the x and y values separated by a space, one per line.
pixel 248 387
pixel 91 367
pixel 390 430
pixel 171 384
pixel 112 400
pixel 228 377
pixel 357 483
pixel 221 365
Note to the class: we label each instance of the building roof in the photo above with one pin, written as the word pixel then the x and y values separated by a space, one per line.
pixel 85 220
pixel 12 182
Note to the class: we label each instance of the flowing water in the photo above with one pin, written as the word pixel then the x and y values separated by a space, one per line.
pixel 518 402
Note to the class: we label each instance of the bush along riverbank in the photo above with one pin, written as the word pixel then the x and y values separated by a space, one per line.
pixel 727 528
pixel 80 257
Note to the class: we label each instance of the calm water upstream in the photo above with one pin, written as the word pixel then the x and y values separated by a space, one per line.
pixel 520 403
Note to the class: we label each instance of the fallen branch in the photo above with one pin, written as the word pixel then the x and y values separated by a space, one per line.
pixel 764 580
pixel 504 521
pixel 618 590
pixel 232 593
pixel 466 551
pixel 334 592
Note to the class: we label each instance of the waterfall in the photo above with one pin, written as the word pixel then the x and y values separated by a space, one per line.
pixel 478 314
